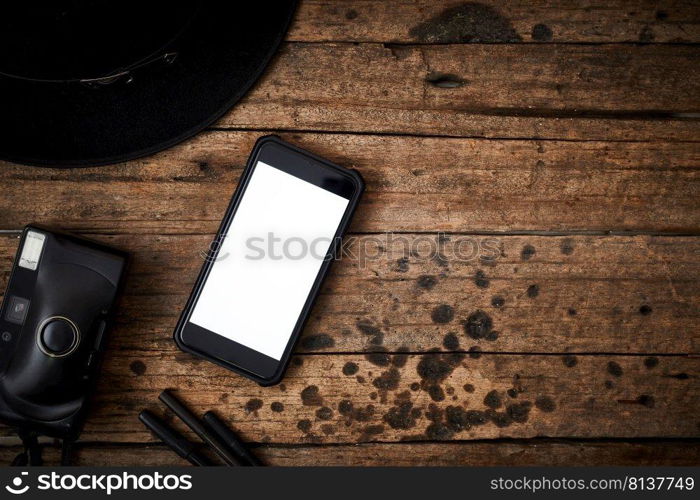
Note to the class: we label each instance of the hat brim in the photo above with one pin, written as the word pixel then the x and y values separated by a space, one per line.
pixel 219 56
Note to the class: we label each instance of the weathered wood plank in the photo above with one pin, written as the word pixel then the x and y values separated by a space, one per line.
pixel 539 294
pixel 455 21
pixel 478 90
pixel 413 183
pixel 480 453
pixel 322 400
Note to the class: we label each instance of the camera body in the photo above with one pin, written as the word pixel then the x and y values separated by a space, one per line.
pixel 55 313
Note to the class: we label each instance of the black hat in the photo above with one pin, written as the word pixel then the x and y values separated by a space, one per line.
pixel 91 82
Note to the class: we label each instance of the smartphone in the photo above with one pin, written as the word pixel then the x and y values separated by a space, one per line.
pixel 264 269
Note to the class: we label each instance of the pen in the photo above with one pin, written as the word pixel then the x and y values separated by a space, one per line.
pixel 231 440
pixel 198 427
pixel 173 439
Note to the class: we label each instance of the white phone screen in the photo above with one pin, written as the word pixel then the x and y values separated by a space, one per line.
pixel 268 260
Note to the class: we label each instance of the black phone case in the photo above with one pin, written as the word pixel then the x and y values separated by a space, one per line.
pixel 303 317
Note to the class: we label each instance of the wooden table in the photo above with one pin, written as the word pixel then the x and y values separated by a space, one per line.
pixel 558 139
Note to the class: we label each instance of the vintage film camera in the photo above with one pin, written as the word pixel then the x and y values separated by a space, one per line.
pixel 55 312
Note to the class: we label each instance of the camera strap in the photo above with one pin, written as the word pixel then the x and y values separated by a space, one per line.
pixel 32 450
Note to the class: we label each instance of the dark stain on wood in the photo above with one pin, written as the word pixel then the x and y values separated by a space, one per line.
pixel 438 431
pixel 477 417
pixel 570 360
pixel 614 369
pixel 527 252
pixel 500 419
pixel 445 80
pixel 457 419
pixel 433 369
pixel 366 327
pixel 567 246
pixel 137 367
pixel 478 325
pixel 310 396
pixel 519 412
pixel 434 413
pixel 304 425
pixel 475 352
pixel 380 358
pixel 442 314
pixel 450 342
pixel 253 405
pixel 370 431
pixel 345 407
pixel 435 392
pixel 541 33
pixel 402 416
pixel 469 22
pixel 533 291
pixel 350 368
pixel 493 400
pixel 545 404
pixel 324 413
pixel 388 380
pixel 651 362
pixel 348 410
pixel 647 400
pixel 374 332
pixel 426 282
pixel 480 279
pixel 498 301
pixel 402 265
pixel 468 388
pixel 400 358
pixel 318 341
pixel 645 310
pixel 277 407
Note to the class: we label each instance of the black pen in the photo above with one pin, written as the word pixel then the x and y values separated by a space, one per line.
pixel 231 440
pixel 198 427
pixel 173 439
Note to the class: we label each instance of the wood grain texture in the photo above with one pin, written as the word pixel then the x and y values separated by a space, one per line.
pixel 502 21
pixel 508 90
pixel 539 294
pixel 407 398
pixel 490 121
pixel 479 453
pixel 413 184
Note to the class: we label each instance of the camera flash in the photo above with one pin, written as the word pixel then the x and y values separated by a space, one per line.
pixel 33 245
